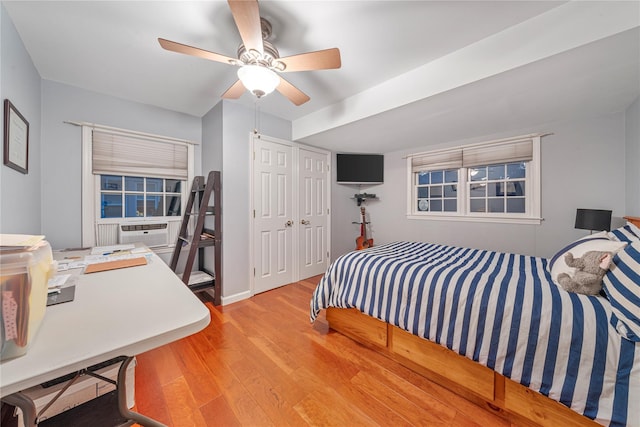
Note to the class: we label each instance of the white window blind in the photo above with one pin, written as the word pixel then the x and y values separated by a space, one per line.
pixel 505 152
pixel 449 159
pixel 118 154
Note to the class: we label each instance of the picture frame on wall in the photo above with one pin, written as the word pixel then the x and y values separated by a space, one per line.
pixel 16 139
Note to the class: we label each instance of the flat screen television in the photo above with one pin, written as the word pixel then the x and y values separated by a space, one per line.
pixel 360 168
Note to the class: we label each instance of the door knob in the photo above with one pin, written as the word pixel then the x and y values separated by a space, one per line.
pixel 305 222
pixel 288 223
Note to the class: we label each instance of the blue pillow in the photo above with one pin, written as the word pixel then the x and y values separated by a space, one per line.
pixel 625 234
pixel 622 286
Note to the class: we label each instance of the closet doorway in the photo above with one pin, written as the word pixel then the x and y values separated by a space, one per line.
pixel 291 212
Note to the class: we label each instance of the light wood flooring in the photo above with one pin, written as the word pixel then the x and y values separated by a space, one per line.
pixel 261 363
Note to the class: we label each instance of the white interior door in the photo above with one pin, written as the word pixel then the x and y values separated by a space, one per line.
pixel 313 213
pixel 274 216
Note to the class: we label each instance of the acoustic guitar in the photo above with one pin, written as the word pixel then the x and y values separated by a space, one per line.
pixel 362 242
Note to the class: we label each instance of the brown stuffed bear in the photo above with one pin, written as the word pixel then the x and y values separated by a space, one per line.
pixel 590 269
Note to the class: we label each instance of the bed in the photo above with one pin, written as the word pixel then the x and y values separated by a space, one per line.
pixel 495 327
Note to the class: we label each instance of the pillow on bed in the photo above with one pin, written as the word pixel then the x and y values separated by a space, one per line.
pixel 622 286
pixel 627 233
pixel 595 242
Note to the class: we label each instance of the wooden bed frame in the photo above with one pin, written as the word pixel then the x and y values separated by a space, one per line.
pixel 471 380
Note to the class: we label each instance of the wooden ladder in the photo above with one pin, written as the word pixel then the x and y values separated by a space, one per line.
pixel 198 207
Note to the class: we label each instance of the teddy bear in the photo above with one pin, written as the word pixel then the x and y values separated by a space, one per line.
pixel 590 269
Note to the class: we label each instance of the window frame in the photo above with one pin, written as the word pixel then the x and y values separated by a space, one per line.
pixel 145 192
pixel 532 214
pixel 91 217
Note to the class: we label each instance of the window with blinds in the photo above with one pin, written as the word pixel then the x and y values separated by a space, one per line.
pixel 130 177
pixel 495 181
pixel 139 177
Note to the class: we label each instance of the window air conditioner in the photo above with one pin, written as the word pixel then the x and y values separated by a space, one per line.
pixel 152 235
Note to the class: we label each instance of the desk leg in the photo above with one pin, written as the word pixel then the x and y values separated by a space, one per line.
pixel 122 399
pixel 26 405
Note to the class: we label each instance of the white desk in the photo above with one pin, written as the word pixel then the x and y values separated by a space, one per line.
pixel 115 313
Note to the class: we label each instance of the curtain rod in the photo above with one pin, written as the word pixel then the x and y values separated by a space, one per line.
pixel 131 132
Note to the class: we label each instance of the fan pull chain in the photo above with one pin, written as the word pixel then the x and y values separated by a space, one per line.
pixel 256 116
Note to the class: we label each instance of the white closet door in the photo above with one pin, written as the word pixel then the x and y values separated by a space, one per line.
pixel 313 213
pixel 274 216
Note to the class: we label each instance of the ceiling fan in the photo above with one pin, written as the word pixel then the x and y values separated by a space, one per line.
pixel 258 58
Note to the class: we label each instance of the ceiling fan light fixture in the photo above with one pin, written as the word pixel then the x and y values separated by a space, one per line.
pixel 258 80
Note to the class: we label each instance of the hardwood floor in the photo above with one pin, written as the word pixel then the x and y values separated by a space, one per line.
pixel 261 363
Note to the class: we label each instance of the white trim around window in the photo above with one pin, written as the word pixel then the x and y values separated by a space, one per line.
pixel 525 148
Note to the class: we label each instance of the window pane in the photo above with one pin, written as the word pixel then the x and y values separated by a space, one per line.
pixel 133 205
pixel 423 192
pixel 496 205
pixel 110 205
pixel 423 178
pixel 477 190
pixel 495 189
pixel 173 206
pixel 155 206
pixel 451 176
pixel 477 174
pixel 436 191
pixel 477 205
pixel 515 188
pixel 436 177
pixel 423 205
pixel 436 205
pixel 133 183
pixel 496 172
pixel 515 205
pixel 450 190
pixel 111 183
pixel 516 170
pixel 172 185
pixel 154 185
pixel 450 205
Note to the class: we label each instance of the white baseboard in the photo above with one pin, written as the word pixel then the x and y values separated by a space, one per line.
pixel 237 297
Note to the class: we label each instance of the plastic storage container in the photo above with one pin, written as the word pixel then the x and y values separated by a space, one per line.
pixel 24 274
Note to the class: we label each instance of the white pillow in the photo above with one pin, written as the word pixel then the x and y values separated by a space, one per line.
pixel 595 242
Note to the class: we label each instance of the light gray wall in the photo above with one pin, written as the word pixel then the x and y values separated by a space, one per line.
pixel 583 166
pixel 62 148
pixel 632 158
pixel 237 123
pixel 20 208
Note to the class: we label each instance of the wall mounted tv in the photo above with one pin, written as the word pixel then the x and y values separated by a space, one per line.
pixel 360 168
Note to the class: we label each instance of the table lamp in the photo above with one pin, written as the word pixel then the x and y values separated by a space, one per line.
pixel 593 219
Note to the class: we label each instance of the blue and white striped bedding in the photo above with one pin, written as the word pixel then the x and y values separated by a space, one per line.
pixel 501 310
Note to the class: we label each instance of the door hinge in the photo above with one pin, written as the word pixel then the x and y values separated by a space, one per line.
pixel 254 272
pixel 327 211
pixel 254 155
pixel 254 213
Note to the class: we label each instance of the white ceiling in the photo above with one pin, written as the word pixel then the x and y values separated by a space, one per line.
pixel 413 72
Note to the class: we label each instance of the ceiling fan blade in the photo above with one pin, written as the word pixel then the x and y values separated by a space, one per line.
pixel 235 91
pixel 319 60
pixel 294 94
pixel 194 51
pixel 247 16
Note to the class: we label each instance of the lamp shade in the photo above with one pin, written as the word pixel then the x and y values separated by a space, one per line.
pixel 258 80
pixel 593 219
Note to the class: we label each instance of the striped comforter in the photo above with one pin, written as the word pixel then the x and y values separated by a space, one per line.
pixel 501 310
